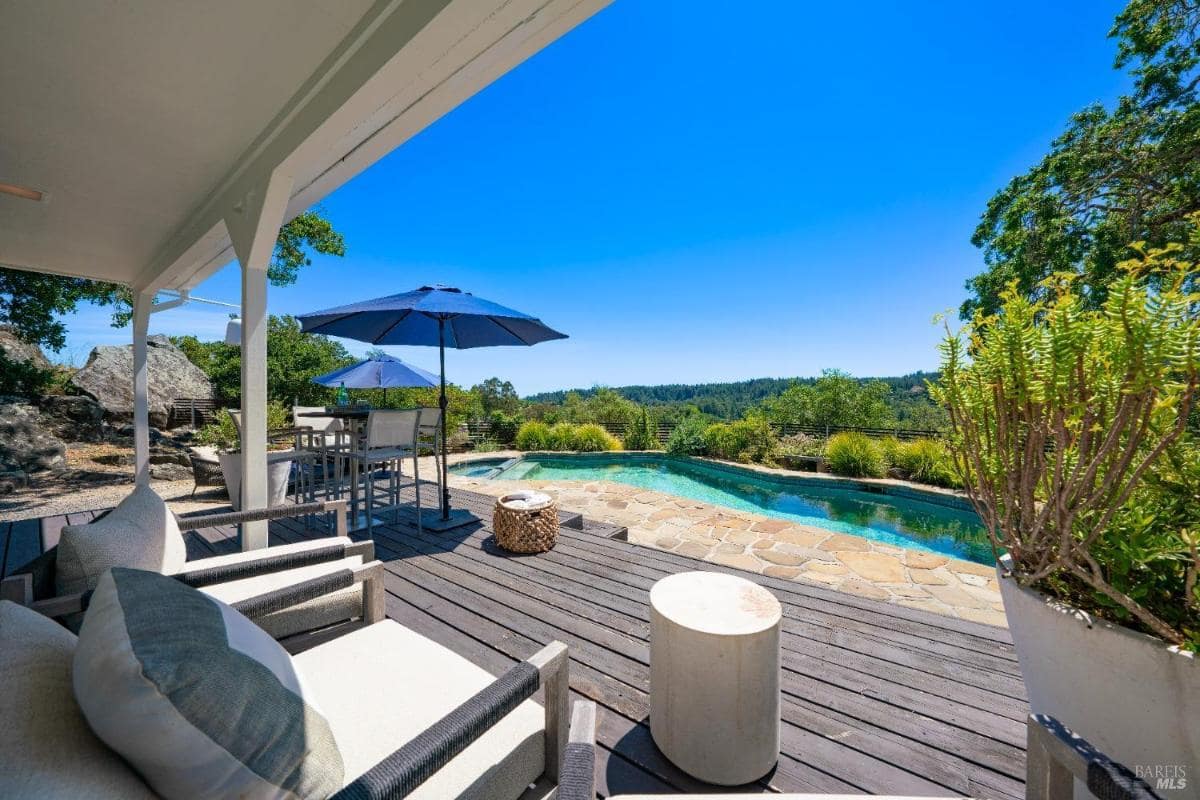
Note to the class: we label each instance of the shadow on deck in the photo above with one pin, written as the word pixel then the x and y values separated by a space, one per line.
pixel 876 697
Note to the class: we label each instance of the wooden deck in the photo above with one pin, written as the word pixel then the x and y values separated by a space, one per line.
pixel 876 697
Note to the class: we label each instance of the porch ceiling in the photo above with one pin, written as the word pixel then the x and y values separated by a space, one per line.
pixel 144 120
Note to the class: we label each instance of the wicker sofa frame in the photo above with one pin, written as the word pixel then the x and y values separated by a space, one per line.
pixel 33 584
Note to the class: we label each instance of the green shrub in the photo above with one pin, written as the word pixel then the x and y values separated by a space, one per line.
pixel 890 447
pixel 23 379
pixel 688 437
pixel 1048 384
pixel 562 437
pixel 592 438
pixel 718 441
pixel 925 461
pixel 222 434
pixel 641 434
pixel 502 427
pixel 746 440
pixel 801 444
pixel 855 455
pixel 533 435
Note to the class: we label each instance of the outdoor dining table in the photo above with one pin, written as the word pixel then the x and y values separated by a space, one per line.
pixel 355 420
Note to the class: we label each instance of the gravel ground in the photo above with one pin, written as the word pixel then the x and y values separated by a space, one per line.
pixel 87 484
pixel 47 498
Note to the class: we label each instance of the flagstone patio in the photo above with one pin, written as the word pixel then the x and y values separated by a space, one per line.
pixel 775 547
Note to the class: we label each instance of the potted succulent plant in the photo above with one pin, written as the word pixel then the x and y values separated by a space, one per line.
pixel 1070 430
pixel 222 436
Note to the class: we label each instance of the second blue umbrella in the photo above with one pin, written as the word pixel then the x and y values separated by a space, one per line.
pixel 381 372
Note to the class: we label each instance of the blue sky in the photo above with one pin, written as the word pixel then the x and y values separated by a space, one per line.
pixel 697 195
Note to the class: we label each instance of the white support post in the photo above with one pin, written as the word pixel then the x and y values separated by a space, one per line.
pixel 142 303
pixel 253 225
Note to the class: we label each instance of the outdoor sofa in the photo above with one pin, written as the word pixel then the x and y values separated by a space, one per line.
pixel 408 717
pixel 1055 759
pixel 142 532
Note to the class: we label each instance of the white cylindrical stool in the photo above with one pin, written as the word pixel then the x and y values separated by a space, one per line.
pixel 714 675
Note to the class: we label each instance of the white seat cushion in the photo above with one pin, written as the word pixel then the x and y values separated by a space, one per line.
pixel 46 747
pixel 382 685
pixel 140 533
pixel 198 699
pixel 329 609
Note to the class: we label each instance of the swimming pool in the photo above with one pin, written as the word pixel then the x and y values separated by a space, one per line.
pixel 890 514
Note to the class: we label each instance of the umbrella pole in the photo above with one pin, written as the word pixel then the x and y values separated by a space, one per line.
pixel 442 402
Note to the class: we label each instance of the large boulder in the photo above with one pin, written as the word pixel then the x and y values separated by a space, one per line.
pixel 25 445
pixel 108 378
pixel 17 349
pixel 73 418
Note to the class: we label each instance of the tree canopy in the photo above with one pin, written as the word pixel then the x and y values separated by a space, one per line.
pixel 834 399
pixel 34 303
pixel 293 360
pixel 1115 176
pixel 497 395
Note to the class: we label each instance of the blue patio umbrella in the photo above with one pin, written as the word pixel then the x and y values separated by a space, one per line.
pixel 381 372
pixel 438 316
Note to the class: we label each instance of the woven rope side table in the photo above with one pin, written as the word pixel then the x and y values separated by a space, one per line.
pixel 525 522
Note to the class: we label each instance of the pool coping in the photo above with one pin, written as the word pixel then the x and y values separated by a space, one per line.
pixel 775 547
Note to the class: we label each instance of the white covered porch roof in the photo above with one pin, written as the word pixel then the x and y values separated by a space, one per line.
pixel 144 122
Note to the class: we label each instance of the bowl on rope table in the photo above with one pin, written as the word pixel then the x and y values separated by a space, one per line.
pixel 525 522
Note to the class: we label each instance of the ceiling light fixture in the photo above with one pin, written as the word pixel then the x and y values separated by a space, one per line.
pixel 23 192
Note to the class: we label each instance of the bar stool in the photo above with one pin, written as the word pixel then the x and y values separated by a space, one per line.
pixel 391 437
pixel 429 437
pixel 327 439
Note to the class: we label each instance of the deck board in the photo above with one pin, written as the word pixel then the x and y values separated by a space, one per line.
pixel 877 698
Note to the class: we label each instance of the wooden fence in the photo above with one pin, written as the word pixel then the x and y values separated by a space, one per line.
pixel 194 411
pixel 480 430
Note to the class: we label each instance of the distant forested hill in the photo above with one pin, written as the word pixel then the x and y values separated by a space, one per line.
pixel 732 400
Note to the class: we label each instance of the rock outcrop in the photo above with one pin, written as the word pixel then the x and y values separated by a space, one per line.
pixel 25 445
pixel 108 378
pixel 73 418
pixel 17 349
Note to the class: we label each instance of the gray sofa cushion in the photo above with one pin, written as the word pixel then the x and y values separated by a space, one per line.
pixel 140 532
pixel 46 747
pixel 200 700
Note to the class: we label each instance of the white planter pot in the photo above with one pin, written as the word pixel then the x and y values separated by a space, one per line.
pixel 1132 696
pixel 278 473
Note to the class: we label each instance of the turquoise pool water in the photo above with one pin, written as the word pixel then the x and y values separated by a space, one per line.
pixel 892 519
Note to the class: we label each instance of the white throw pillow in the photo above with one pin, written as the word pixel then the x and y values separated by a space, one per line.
pixel 46 747
pixel 198 699
pixel 141 532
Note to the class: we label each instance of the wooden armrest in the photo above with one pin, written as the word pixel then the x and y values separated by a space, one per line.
pixel 336 507
pixel 578 778
pixel 268 562
pixel 63 605
pixel 370 575
pixel 1056 757
pixel 18 589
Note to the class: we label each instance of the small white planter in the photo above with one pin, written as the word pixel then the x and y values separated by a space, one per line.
pixel 1132 696
pixel 278 473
